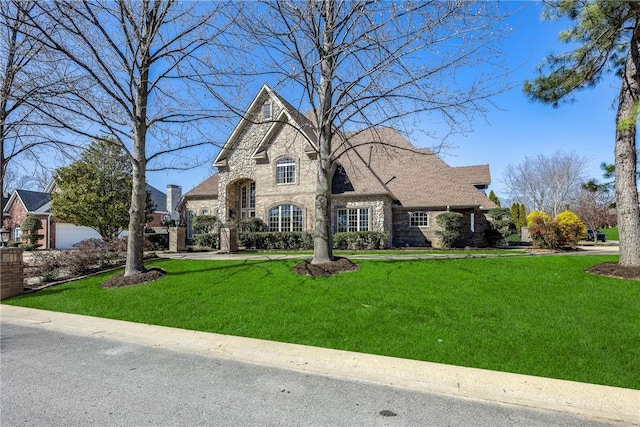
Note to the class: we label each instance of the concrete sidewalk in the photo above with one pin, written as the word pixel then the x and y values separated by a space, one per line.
pixel 610 403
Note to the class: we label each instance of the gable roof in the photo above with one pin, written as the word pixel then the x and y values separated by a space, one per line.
pixel 287 116
pixel 208 187
pixel 33 201
pixel 158 198
pixel 478 175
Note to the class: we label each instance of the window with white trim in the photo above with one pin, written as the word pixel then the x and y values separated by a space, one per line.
pixel 285 171
pixel 419 219
pixel 267 110
pixel 352 219
pixel 285 218
pixel 248 200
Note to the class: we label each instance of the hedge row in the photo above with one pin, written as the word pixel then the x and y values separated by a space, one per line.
pixel 266 240
pixel 293 240
pixel 358 240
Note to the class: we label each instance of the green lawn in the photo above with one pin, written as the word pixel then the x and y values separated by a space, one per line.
pixel 534 315
pixel 611 233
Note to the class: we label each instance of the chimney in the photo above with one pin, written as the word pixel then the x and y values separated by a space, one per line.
pixel 174 194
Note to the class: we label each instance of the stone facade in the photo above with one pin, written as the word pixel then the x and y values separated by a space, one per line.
pixel 377 182
pixel 243 168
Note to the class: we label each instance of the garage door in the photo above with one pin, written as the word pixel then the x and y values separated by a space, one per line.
pixel 68 234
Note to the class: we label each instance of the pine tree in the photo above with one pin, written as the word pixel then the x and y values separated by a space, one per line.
pixel 605 39
pixel 494 198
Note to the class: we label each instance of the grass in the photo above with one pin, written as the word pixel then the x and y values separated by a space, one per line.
pixel 533 315
pixel 611 233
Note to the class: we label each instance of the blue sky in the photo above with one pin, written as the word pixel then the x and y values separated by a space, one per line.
pixel 517 127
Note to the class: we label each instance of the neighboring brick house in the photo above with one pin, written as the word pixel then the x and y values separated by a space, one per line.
pixel 381 182
pixel 62 235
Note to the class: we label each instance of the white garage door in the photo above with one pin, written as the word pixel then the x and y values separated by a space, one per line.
pixel 68 234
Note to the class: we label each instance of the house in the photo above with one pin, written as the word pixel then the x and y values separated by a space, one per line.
pixel 62 235
pixel 381 182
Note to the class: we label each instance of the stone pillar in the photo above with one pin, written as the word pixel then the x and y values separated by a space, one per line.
pixel 228 239
pixel 177 239
pixel 11 272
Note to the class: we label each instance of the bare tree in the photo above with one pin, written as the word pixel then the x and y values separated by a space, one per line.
pixel 30 77
pixel 361 64
pixel 546 183
pixel 594 207
pixel 136 63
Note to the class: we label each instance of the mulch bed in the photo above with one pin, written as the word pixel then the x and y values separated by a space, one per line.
pixel 612 269
pixel 325 269
pixel 120 280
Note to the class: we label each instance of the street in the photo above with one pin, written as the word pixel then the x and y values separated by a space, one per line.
pixel 50 378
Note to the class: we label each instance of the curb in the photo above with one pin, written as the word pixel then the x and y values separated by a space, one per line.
pixel 588 400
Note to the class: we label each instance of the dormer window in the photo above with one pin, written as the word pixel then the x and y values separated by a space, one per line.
pixel 286 171
pixel 267 111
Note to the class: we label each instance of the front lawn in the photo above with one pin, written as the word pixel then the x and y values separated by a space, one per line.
pixel 533 315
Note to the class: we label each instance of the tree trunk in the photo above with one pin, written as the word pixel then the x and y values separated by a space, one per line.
pixel 137 211
pixel 322 241
pixel 626 187
pixel 137 221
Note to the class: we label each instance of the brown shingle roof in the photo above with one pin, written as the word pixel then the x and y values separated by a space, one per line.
pixel 208 187
pixel 416 177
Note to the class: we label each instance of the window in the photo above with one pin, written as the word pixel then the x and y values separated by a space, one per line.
pixel 286 171
pixel 267 110
pixel 248 200
pixel 419 219
pixel 204 212
pixel 353 219
pixel 285 218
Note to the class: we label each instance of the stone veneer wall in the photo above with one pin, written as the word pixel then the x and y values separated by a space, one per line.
pixel 11 272
pixel 404 235
pixel 241 166
pixel 379 210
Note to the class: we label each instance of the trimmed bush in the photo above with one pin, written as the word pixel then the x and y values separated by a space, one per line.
pixel 158 241
pixel 265 240
pixel 450 223
pixel 253 224
pixel 360 240
pixel 207 240
pixel 499 226
pixel 203 224
pixel 32 225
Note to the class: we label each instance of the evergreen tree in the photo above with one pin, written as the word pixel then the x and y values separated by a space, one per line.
pixel 494 198
pixel 522 216
pixel 95 191
pixel 605 38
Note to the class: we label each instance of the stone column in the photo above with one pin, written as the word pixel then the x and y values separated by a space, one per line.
pixel 11 272
pixel 228 239
pixel 177 239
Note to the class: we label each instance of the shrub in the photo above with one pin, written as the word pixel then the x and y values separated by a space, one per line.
pixel 253 224
pixel 450 228
pixel 537 216
pixel 29 246
pixel 47 265
pixel 359 240
pixel 564 230
pixel 208 240
pixel 499 225
pixel 32 225
pixel 290 240
pixel 158 241
pixel 573 229
pixel 203 224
